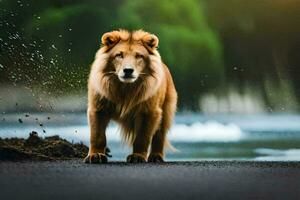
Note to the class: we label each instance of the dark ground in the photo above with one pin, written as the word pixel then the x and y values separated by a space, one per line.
pixel 177 180
pixel 37 148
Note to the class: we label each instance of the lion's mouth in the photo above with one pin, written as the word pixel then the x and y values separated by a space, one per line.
pixel 127 79
pixel 128 76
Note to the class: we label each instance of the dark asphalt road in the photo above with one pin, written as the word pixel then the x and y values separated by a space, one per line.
pixel 177 180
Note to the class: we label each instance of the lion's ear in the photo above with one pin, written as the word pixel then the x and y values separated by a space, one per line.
pixel 150 41
pixel 110 39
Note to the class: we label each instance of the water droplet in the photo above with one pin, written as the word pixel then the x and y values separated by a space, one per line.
pixel 53 47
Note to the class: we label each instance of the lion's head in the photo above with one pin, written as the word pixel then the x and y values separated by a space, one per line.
pixel 129 54
pixel 126 64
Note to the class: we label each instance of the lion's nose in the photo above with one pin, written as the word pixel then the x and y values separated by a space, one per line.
pixel 128 72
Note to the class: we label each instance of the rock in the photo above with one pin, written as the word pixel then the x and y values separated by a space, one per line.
pixel 33 139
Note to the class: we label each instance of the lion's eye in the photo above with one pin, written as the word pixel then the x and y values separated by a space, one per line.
pixel 139 56
pixel 119 55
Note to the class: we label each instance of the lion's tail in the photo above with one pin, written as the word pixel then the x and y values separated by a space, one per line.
pixel 170 147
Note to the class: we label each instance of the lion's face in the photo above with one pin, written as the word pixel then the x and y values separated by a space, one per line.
pixel 127 68
pixel 129 61
pixel 129 54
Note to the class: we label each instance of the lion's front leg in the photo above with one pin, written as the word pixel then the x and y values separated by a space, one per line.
pixel 146 125
pixel 157 146
pixel 98 122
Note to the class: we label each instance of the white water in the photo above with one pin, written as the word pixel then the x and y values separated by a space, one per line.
pixel 197 132
pixel 278 154
pixel 210 131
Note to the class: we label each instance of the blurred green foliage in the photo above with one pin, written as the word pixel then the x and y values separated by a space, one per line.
pixel 189 47
pixel 208 45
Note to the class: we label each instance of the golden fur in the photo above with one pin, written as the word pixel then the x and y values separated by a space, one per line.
pixel 143 104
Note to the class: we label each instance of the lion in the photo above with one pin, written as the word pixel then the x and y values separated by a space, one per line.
pixel 130 84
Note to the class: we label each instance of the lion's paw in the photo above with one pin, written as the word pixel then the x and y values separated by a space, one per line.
pixel 155 158
pixel 95 158
pixel 136 158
